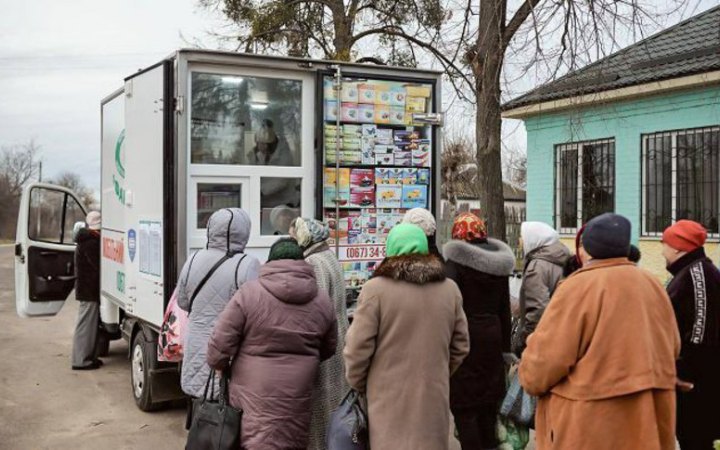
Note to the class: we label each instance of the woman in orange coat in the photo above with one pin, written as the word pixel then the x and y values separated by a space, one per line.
pixel 602 359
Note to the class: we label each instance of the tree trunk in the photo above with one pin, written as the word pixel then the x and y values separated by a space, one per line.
pixel 486 69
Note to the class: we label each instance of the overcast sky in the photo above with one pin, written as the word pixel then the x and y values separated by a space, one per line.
pixel 58 59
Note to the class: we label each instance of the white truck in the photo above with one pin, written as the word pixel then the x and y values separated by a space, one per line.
pixel 353 144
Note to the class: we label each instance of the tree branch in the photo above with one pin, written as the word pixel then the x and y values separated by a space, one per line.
pixel 518 19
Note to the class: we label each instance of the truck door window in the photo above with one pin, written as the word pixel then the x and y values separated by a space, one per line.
pixel 211 197
pixel 73 214
pixel 280 204
pixel 45 221
pixel 245 120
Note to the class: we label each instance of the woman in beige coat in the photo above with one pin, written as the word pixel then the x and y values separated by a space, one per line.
pixel 408 335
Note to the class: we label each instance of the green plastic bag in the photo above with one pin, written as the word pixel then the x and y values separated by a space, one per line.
pixel 512 436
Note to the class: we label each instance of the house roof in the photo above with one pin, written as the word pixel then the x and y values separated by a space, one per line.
pixel 468 191
pixel 688 48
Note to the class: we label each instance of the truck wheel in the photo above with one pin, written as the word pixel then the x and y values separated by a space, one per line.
pixel 142 362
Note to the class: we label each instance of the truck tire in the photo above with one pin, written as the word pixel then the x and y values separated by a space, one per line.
pixel 142 362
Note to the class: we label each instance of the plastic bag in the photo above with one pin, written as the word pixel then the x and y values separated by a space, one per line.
pixel 172 332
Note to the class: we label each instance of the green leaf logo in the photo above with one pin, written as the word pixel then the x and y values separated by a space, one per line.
pixel 118 154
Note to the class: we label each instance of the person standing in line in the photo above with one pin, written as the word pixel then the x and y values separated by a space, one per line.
pixel 480 266
pixel 330 384
pixel 602 358
pixel 545 261
pixel 272 336
pixel 695 294
pixel 228 234
pixel 425 220
pixel 408 336
pixel 87 291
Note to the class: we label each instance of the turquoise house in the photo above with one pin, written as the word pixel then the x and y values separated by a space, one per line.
pixel 637 133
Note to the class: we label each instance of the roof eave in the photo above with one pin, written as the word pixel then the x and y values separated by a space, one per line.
pixel 614 95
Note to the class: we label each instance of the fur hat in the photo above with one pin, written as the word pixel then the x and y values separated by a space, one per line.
pixel 406 239
pixel 607 236
pixel 685 235
pixel 93 220
pixel 285 248
pixel 422 218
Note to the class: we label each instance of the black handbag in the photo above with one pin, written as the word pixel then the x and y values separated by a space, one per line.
pixel 215 424
pixel 348 428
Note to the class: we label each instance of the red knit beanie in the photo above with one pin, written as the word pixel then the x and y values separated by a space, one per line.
pixel 685 235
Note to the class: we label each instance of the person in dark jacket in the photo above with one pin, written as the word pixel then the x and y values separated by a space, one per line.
pixel 480 266
pixel 276 330
pixel 545 261
pixel 695 294
pixel 87 291
pixel 425 220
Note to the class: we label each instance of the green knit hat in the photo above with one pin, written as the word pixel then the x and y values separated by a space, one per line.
pixel 285 248
pixel 406 239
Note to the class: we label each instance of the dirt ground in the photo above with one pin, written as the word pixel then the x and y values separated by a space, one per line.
pixel 45 405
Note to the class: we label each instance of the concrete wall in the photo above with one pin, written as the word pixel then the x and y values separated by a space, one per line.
pixel 626 122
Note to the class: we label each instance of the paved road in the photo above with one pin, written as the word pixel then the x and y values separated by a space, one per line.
pixel 45 405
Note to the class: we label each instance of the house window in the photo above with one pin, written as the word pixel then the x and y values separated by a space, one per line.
pixel 680 171
pixel 585 174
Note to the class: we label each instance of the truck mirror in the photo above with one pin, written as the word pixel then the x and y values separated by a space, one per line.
pixel 76 228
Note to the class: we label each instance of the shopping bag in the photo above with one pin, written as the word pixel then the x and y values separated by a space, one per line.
pixel 518 405
pixel 348 428
pixel 215 424
pixel 172 332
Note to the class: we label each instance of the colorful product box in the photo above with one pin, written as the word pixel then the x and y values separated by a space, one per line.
pixel 397 97
pixel 415 105
pixel 418 91
pixel 331 183
pixel 351 157
pixel 420 158
pixel 397 115
pixel 351 143
pixel 366 93
pixel 384 136
pixel 383 96
pixel 350 112
pixel 362 179
pixel 349 92
pixel 423 176
pixel 329 89
pixel 367 113
pixel 384 159
pixel 414 196
pixel 388 196
pixel 409 176
pixel 382 114
pixel 354 131
pixel 331 110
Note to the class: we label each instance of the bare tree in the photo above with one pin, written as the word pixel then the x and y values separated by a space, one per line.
pixel 458 169
pixel 514 162
pixel 73 182
pixel 18 166
pixel 473 41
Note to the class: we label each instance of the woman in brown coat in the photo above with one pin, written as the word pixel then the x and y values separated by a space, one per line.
pixel 602 358
pixel 276 330
pixel 408 335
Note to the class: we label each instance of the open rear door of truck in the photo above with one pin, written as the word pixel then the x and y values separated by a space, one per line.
pixel 44 249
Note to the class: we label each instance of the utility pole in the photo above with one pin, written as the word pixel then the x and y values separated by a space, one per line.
pixel 40 171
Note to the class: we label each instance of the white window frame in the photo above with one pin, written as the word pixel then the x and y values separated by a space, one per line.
pixel 579 147
pixel 673 170
pixel 250 176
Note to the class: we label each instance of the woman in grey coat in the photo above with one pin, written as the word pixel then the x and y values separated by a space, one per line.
pixel 228 233
pixel 545 260
pixel 330 385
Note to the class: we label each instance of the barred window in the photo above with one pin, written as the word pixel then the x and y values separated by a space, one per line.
pixel 585 174
pixel 680 172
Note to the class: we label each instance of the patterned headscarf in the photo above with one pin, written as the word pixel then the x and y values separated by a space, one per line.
pixel 469 227
pixel 311 231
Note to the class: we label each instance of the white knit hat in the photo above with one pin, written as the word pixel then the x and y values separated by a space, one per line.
pixel 93 220
pixel 422 218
